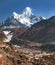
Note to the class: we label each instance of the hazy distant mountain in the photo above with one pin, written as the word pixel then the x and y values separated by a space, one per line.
pixel 23 20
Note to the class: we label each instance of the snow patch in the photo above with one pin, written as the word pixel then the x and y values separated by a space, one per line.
pixel 44 18
pixel 8 35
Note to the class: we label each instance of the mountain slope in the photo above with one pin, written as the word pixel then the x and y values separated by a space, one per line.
pixel 43 31
pixel 2 36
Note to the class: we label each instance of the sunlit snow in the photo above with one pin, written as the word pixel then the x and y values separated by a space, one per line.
pixel 9 36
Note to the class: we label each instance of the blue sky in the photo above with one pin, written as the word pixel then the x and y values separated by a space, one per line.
pixel 44 8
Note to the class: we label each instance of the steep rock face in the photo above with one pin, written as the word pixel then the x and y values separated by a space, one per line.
pixel 43 31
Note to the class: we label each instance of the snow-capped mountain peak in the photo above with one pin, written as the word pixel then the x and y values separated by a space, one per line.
pixel 23 20
pixel 27 11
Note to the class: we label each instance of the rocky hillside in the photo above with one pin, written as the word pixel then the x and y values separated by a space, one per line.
pixel 2 35
pixel 43 31
pixel 16 55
